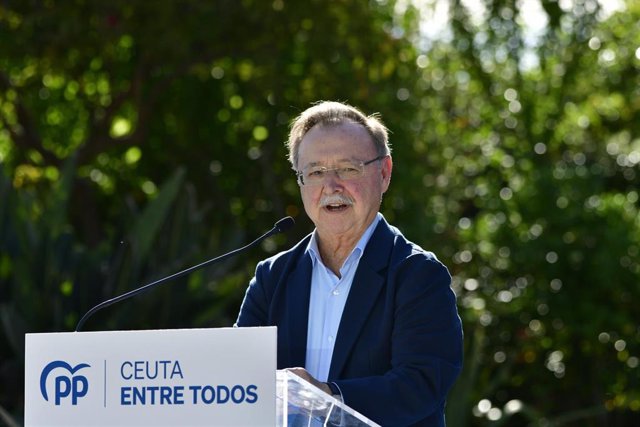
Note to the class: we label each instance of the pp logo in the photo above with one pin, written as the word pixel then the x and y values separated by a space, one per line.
pixel 66 384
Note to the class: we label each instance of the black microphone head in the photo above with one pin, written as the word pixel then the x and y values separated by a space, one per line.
pixel 284 224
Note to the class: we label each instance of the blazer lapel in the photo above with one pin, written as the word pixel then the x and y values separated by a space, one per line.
pixel 298 294
pixel 367 284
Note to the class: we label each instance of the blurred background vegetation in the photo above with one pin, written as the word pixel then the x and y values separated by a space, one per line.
pixel 140 138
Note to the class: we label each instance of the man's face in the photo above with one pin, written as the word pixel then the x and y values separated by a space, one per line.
pixel 342 208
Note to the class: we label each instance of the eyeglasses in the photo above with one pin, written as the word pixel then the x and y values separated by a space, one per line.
pixel 347 170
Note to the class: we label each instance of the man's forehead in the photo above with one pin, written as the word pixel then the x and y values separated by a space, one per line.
pixel 344 138
pixel 321 152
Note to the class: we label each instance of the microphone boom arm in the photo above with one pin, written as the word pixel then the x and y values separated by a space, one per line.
pixel 281 226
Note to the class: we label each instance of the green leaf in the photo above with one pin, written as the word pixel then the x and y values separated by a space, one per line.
pixel 147 225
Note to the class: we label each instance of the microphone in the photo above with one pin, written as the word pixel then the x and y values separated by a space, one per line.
pixel 280 227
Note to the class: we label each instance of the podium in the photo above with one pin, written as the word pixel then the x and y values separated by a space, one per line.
pixel 180 377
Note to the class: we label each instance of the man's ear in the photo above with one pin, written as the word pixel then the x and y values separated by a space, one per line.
pixel 387 167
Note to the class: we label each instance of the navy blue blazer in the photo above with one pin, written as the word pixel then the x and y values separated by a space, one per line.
pixel 399 343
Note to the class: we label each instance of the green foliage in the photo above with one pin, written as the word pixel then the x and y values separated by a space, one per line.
pixel 537 201
pixel 140 138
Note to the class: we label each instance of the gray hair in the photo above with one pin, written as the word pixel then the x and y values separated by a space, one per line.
pixel 335 113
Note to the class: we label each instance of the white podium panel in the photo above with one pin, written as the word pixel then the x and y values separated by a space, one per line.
pixel 187 377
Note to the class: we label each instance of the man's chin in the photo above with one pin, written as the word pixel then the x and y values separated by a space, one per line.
pixel 336 225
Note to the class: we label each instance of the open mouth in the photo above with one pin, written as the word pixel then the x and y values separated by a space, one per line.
pixel 336 207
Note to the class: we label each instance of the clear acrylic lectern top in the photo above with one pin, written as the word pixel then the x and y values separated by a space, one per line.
pixel 299 403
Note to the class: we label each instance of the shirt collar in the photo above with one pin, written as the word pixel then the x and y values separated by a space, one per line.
pixel 314 252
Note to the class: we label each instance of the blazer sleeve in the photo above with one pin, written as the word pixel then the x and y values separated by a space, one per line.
pixel 255 306
pixel 271 273
pixel 426 348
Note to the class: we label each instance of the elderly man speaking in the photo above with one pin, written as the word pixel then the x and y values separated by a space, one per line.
pixel 361 312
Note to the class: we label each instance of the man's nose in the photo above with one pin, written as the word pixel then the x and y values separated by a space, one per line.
pixel 332 180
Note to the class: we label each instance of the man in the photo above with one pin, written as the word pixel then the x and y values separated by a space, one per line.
pixel 361 312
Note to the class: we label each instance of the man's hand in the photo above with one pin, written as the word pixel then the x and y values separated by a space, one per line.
pixel 302 373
